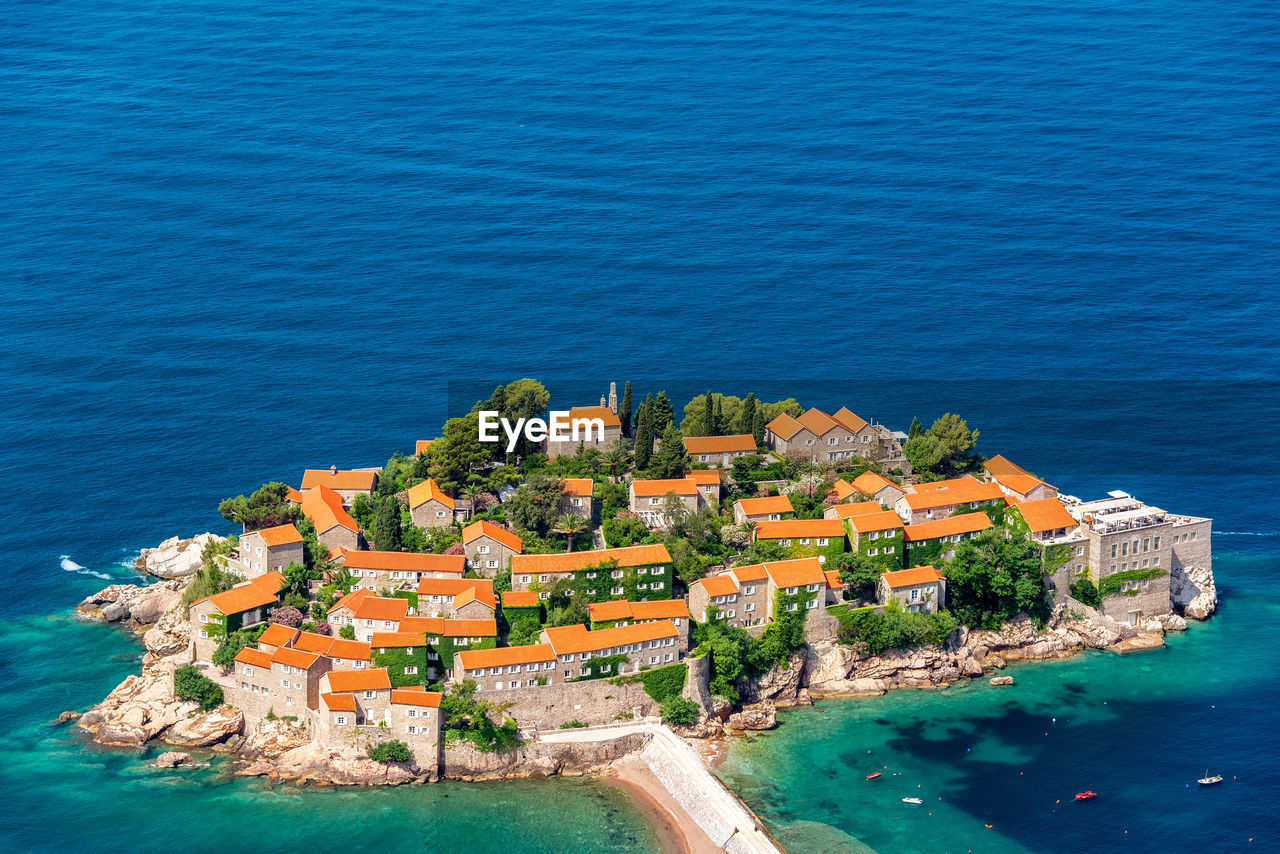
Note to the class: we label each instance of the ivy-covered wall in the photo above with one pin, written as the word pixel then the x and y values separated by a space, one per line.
pixel 891 561
pixel 800 598
pixel 606 665
pixel 595 584
pixel 396 659
pixel 514 615
pixel 660 683
pixel 836 547
pixel 445 647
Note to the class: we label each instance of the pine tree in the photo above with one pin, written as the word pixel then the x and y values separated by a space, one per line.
pixel 747 421
pixel 644 436
pixel 670 460
pixel 719 417
pixel 917 429
pixel 661 413
pixel 624 411
pixel 757 426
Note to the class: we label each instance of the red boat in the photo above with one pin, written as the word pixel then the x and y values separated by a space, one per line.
pixel 873 775
pixel 1085 796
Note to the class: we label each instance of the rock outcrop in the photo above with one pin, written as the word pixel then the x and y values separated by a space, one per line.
pixel 781 684
pixel 175 557
pixel 172 759
pixel 1193 591
pixel 269 739
pixel 133 604
pixel 312 763
pixel 759 716
pixel 170 636
pixel 1002 680
pixel 205 728
pixel 538 759
pixel 138 709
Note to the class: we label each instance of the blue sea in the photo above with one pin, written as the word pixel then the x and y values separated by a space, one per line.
pixel 237 240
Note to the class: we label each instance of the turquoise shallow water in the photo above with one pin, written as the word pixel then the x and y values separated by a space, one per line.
pixel 1137 729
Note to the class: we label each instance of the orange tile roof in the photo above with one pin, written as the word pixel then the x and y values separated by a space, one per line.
pixel 294 657
pixel 350 600
pixel 882 520
pixel 482 588
pixel 404 561
pixel 796 573
pixel 965 523
pixel 1046 514
pixel 574 561
pixel 870 483
pixel 765 505
pixel 416 697
pixel 519 599
pixel 277 635
pixel 399 640
pixel 254 657
pixel 473 659
pixel 789 528
pixel 846 419
pixel 749 572
pixel 469 628
pixel 952 483
pixel 339 702
pixel 420 447
pixel 361 480
pixel 247 595
pixel 348 649
pixel 911 577
pixel 1003 465
pixel 861 508
pixel 784 426
pixel 313 642
pixel 719 585
pixel 568 640
pixel 421 493
pixel 1019 483
pixel 655 488
pixel 816 421
pixel 842 489
pixel 834 581
pixel 293 495
pixel 706 478
pixel 497 533
pixel 579 487
pixel 280 535
pixel 346 681
pixel 621 609
pixel 381 608
pixel 604 413
pixel 737 443
pixel 324 508
pixel 475 594
pixel 959 491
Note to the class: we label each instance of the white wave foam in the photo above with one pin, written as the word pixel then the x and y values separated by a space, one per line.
pixel 1246 533
pixel 71 566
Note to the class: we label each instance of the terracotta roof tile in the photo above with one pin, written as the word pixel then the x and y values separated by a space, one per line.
pixel 911 577
pixel 520 599
pixel 416 697
pixel 347 681
pixel 719 585
pixel 791 528
pixel 404 561
pixel 965 523
pixel 280 535
pixel 420 447
pixel 339 702
pixel 398 640
pixel 959 491
pixel 846 419
pixel 766 505
pixel 604 413
pixel 349 650
pixel 473 659
pixel 861 508
pixel 497 533
pixel 735 444
pixel 621 609
pixel 1046 514
pixel 247 595
pixel 421 493
pixel 656 488
pixel 749 572
pixel 784 426
pixel 361 479
pixel 324 508
pixel 1003 465
pixel 574 561
pixel 381 608
pixel 1019 483
pixel 569 640
pixel 709 477
pixel 481 589
pixel 796 573
pixel 579 487
pixel 834 581
pixel 277 635
pixel 882 520
pixel 294 657
pixel 254 657
pixel 870 483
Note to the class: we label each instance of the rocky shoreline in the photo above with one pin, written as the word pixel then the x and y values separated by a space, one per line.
pixel 143 708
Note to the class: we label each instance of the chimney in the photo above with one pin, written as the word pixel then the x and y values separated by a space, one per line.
pixel 333 470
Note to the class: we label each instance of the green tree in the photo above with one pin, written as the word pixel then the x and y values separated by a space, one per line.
pixel 680 711
pixel 944 450
pixel 1084 590
pixel 347 632
pixel 993 578
pixel 859 573
pixel 458 454
pixel 757 426
pixel 624 411
pixel 644 435
pixel 747 418
pixel 709 414
pixel 386 524
pixel 524 631
pixel 391 751
pixel 717 417
pixel 616 459
pixel 662 413
pixel 535 506
pixel 524 398
pixel 917 429
pixel 228 648
pixel 670 460
pixel 568 525
pixel 298 579
pixel 267 507
pixel 189 684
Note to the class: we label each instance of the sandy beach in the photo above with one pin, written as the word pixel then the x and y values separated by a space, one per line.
pixel 677 832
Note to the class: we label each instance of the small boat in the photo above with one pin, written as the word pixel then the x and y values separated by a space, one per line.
pixel 1206 780
pixel 1086 796
pixel 912 801
pixel 873 775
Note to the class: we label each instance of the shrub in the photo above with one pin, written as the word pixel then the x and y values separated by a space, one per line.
pixel 573 724
pixel 1084 590
pixel 347 633
pixel 188 684
pixel 680 711
pixel 229 647
pixel 663 683
pixel 286 615
pixel 391 751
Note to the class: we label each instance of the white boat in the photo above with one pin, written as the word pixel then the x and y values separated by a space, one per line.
pixel 912 801
pixel 1206 780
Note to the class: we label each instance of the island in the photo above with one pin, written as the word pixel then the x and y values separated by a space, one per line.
pixel 603 603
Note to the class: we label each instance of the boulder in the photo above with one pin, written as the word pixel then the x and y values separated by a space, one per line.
pixel 139 605
pixel 1192 589
pixel 170 636
pixel 272 738
pixel 172 759
pixel 67 717
pixel 175 557
pixel 1139 642
pixel 781 683
pixel 206 728
pixel 759 716
pixel 1002 680
pixel 996 661
pixel 137 710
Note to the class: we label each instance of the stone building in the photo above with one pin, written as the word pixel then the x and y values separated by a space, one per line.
pixel 246 604
pixel 769 508
pixel 489 547
pixel 347 484
pixel 391 571
pixel 937 540
pixel 508 667
pixel 429 506
pixel 579 497
pixel 462 598
pixel 651 499
pixel 367 613
pixel 269 549
pixel 710 484
pixel 334 525
pixel 620 612
pixel 627 648
pixel 880 488
pixel 839 436
pixel 823 538
pixel 748 595
pixel 919 589
pixel 649 566
pixel 719 451
pixel 944 498
pixel 587 438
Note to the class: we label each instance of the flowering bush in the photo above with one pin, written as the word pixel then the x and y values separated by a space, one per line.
pixel 286 616
pixel 455 549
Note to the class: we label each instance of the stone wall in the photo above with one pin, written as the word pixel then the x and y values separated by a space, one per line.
pixel 595 701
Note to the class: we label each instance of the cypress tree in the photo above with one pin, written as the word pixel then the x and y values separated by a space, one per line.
pixel 747 421
pixel 670 460
pixel 757 426
pixel 386 525
pixel 719 417
pixel 644 436
pixel 661 414
pixel 624 411
pixel 708 415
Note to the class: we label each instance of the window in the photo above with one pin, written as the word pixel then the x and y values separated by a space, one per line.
pixel 411 713
pixel 888 550
pixel 248 671
pixel 822 541
pixel 369 695
pixel 439 514
pixel 748 590
pixel 915 595
pixel 340 720
pixel 749 607
pixel 617 591
pixel 484 550
pixel 411 669
pixel 804 541
pixel 411 729
pixel 203 633
pixel 811 587
pixel 617 573
pixel 834 440
pixel 1155 544
pixel 204 618
pixel 1113 549
pixel 872 552
pixel 792 606
pixel 791 591
pixel 731 613
pixel 658 585
pixel 811 604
